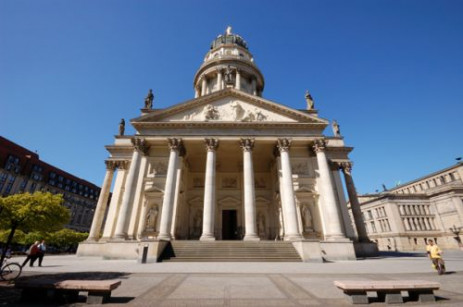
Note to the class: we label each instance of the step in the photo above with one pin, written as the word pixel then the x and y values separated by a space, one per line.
pixel 227 251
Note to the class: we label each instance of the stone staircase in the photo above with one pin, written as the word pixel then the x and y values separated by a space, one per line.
pixel 228 251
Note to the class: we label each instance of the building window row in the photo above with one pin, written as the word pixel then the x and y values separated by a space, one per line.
pixel 430 183
pixel 414 210
pixel 418 223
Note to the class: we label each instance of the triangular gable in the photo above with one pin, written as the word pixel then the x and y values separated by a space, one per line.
pixel 229 105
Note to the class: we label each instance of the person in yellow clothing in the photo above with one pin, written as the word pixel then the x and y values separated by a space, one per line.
pixel 435 254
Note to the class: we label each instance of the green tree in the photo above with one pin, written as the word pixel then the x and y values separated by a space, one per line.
pixel 40 211
pixel 66 238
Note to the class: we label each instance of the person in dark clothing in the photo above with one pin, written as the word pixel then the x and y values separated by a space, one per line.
pixel 32 254
pixel 41 253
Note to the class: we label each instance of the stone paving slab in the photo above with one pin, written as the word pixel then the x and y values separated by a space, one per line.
pixel 244 284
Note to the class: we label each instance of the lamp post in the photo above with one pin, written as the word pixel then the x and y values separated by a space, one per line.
pixel 456 232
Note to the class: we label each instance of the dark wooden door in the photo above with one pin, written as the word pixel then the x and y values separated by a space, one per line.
pixel 229 225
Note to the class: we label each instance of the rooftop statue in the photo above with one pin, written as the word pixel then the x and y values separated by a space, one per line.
pixel 229 30
pixel 336 129
pixel 149 100
pixel 309 100
pixel 122 127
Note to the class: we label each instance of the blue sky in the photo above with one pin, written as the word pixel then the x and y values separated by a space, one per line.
pixel 390 72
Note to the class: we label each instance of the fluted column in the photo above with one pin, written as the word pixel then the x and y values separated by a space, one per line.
pixel 102 202
pixel 130 185
pixel 288 201
pixel 330 207
pixel 176 148
pixel 354 202
pixel 238 80
pixel 249 191
pixel 209 191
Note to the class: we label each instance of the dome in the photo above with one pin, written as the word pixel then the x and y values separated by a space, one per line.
pixel 228 63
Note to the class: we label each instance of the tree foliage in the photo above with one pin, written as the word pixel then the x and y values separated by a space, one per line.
pixel 66 238
pixel 40 211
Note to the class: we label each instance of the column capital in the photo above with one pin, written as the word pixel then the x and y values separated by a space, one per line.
pixel 283 144
pixel 247 144
pixel 319 145
pixel 346 167
pixel 141 145
pixel 111 165
pixel 176 144
pixel 211 144
pixel 122 164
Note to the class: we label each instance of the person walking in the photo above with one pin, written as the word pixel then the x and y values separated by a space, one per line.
pixel 41 252
pixel 32 254
pixel 435 254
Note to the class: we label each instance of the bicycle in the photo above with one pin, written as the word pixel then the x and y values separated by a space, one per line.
pixel 10 271
pixel 439 265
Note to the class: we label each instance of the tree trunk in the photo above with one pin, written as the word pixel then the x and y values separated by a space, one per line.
pixel 8 242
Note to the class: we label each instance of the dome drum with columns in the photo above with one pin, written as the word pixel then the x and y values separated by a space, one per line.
pixel 228 165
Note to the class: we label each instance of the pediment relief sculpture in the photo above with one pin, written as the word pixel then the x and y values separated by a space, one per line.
pixel 230 111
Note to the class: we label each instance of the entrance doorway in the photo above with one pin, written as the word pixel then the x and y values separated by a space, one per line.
pixel 229 225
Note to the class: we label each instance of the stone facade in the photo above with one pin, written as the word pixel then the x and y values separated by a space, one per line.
pixel 430 207
pixel 227 165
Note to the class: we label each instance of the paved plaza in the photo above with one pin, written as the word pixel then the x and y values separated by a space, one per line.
pixel 247 284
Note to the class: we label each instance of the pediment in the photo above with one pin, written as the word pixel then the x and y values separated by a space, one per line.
pixel 229 106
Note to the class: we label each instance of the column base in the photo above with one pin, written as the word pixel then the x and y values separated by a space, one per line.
pixel 164 236
pixel 292 237
pixel 207 237
pixel 252 237
pixel 119 237
pixel 337 238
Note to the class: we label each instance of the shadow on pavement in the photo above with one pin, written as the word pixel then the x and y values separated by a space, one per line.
pixel 11 296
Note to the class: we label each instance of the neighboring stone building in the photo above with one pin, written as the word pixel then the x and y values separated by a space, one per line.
pixel 430 207
pixel 21 170
pixel 227 165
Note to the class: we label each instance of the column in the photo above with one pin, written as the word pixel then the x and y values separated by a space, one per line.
pixel 135 214
pixel 176 149
pixel 249 191
pixel 330 208
pixel 102 202
pixel 354 203
pixel 238 80
pixel 118 191
pixel 130 186
pixel 196 92
pixel 288 201
pixel 254 86
pixel 203 86
pixel 209 191
pixel 219 80
pixel 177 196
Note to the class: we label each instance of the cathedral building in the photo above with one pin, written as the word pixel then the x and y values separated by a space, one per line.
pixel 228 166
